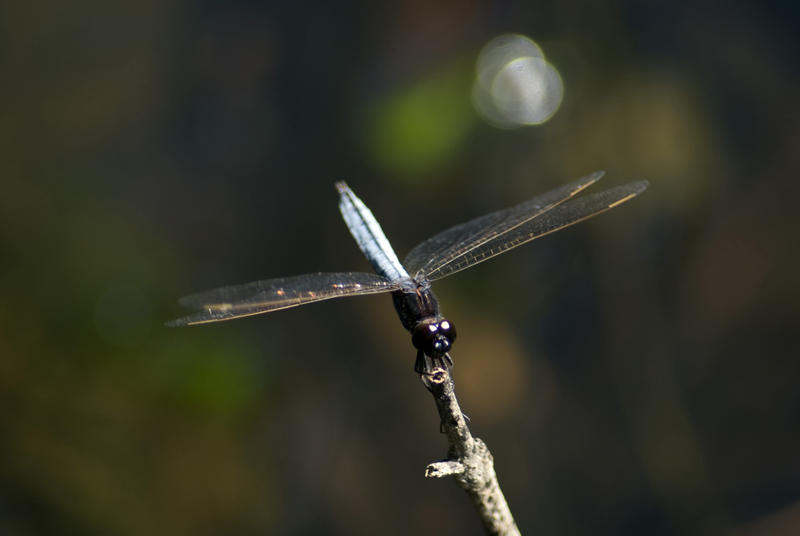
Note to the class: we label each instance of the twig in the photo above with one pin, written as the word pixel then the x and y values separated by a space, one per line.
pixel 469 459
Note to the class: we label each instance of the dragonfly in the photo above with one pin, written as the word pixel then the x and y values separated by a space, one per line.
pixel 409 282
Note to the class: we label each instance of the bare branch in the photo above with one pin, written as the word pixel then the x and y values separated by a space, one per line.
pixel 469 460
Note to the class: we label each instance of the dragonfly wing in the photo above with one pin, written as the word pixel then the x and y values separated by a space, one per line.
pixel 431 255
pixel 546 222
pixel 259 297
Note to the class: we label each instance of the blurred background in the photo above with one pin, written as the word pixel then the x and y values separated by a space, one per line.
pixel 635 374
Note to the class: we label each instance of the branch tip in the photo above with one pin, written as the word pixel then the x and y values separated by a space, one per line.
pixel 444 468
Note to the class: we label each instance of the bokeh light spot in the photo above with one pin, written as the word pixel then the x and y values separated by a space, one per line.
pixel 514 84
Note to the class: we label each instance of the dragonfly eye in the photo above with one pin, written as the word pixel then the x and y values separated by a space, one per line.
pixel 423 335
pixel 448 330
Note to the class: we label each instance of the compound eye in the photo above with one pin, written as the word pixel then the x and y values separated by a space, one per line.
pixel 448 330
pixel 423 337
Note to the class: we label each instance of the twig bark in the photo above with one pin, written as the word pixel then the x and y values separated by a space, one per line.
pixel 469 460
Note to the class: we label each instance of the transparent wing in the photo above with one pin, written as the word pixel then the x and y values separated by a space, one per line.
pixel 433 254
pixel 258 297
pixel 512 227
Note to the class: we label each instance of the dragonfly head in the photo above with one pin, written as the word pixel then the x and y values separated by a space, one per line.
pixel 434 337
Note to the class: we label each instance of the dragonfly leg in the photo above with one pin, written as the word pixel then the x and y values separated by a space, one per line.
pixel 442 361
pixel 421 364
pixel 449 361
pixel 425 364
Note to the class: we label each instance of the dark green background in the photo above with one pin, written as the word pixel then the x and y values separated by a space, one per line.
pixel 637 374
